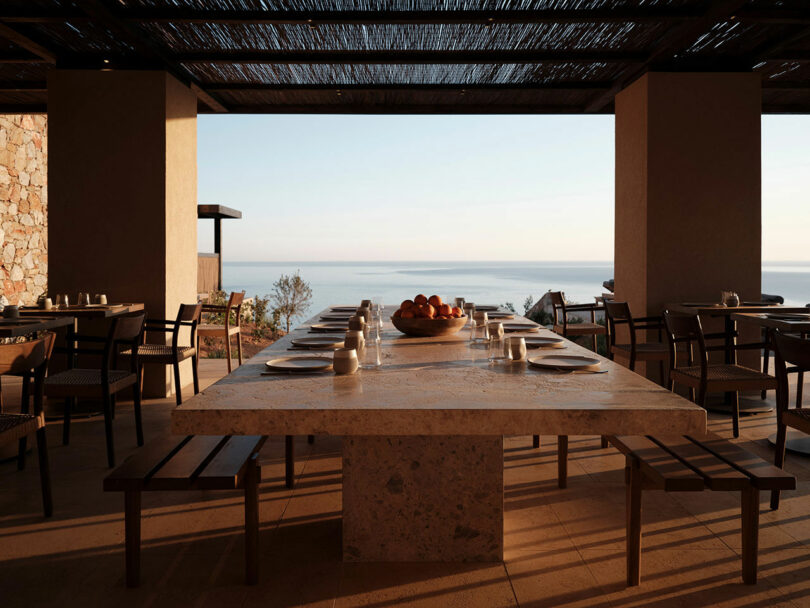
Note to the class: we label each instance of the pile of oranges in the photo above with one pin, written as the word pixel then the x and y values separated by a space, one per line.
pixel 427 308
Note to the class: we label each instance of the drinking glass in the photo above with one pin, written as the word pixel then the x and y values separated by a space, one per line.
pixel 469 310
pixel 63 301
pixel 498 348
pixel 372 356
pixel 480 329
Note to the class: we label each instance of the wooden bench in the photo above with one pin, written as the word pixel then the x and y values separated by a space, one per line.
pixel 190 463
pixel 688 464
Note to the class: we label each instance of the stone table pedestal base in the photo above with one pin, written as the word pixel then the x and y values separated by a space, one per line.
pixel 423 498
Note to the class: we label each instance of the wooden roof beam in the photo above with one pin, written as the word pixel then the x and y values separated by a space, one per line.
pixel 26 43
pixel 550 86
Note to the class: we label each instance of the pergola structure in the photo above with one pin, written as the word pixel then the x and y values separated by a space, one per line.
pixel 122 82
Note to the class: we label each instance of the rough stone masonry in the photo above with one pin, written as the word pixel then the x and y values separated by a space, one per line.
pixel 23 207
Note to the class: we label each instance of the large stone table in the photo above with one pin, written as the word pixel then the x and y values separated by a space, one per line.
pixel 423 435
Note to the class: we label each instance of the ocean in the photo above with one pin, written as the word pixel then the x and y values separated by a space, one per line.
pixel 482 282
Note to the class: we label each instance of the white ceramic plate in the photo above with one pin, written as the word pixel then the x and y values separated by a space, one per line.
pixel 565 362
pixel 299 364
pixel 496 315
pixel 336 316
pixel 351 309
pixel 319 342
pixel 486 308
pixel 538 342
pixel 520 327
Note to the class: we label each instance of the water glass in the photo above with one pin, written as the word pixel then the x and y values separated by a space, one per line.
pixel 345 361
pixel 479 330
pixel 469 311
pixel 498 349
pixel 517 347
pixel 372 355
pixel 62 301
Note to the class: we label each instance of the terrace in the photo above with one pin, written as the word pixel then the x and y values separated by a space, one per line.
pixel 112 208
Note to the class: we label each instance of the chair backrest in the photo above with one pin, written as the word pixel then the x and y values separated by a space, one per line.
pixel 618 313
pixel 793 351
pixel 235 305
pixel 189 314
pixel 685 329
pixel 125 331
pixel 558 307
pixel 25 357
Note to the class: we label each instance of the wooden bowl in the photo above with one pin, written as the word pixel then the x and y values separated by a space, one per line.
pixel 429 327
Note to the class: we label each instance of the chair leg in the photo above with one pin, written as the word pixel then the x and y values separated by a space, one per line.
pixel 289 460
pixel 44 472
pixel 310 439
pixel 23 443
pixel 799 387
pixel 195 374
pixel 633 523
pixel 595 347
pixel 735 421
pixel 536 441
pixel 112 406
pixel 108 429
pixel 765 359
pixel 228 352
pixel 177 390
pixel 252 522
pixel 750 534
pixel 779 458
pixel 132 536
pixel 604 442
pixel 66 423
pixel 562 461
pixel 136 406
pixel 239 346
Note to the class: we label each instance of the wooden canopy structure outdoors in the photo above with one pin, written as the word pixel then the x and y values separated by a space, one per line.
pixel 411 56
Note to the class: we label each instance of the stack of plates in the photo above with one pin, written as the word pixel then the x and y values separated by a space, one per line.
pixel 520 327
pixel 299 364
pixel 319 342
pixel 538 342
pixel 328 327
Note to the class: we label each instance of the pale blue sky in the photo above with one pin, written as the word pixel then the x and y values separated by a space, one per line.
pixel 448 187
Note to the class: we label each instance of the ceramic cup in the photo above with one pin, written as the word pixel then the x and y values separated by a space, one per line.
pixel 495 329
pixel 517 346
pixel 355 340
pixel 460 303
pixel 46 304
pixel 365 312
pixel 345 361
pixel 101 298
pixel 365 303
pixel 357 323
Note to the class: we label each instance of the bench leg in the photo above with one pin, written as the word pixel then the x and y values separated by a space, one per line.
pixel 132 534
pixel 562 461
pixel 604 442
pixel 535 441
pixel 750 534
pixel 252 522
pixel 289 460
pixel 633 523
pixel 310 439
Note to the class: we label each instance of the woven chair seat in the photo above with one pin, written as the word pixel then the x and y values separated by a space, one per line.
pixel 798 418
pixel 85 377
pixel 161 351
pixel 17 426
pixel 214 330
pixel 725 373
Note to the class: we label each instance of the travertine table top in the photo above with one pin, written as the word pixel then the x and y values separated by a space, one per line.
pixel 436 386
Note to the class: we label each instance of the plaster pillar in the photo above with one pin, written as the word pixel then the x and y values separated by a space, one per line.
pixel 688 191
pixel 122 176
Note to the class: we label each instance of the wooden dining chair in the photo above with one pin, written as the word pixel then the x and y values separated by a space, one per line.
pixel 171 354
pixel 793 351
pixel 703 378
pixel 618 314
pixel 565 328
pixel 30 361
pixel 125 333
pixel 229 328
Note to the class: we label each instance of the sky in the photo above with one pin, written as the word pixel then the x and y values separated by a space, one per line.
pixel 499 188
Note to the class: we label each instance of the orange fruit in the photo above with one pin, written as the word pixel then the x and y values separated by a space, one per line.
pixel 406 304
pixel 430 311
pixel 445 310
pixel 420 299
pixel 435 301
pixel 457 312
pixel 397 314
pixel 408 314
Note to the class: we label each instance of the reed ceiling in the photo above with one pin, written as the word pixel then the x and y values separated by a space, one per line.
pixel 407 56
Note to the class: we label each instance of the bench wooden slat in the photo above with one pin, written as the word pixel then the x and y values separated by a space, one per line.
pixel 181 471
pixel 718 475
pixel 228 467
pixel 764 476
pixel 135 471
pixel 659 465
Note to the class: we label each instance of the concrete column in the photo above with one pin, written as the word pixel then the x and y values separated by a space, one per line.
pixel 122 174
pixel 688 190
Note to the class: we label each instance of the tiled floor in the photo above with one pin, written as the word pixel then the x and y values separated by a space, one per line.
pixel 563 547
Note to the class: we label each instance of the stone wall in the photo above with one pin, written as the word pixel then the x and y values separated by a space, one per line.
pixel 23 207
